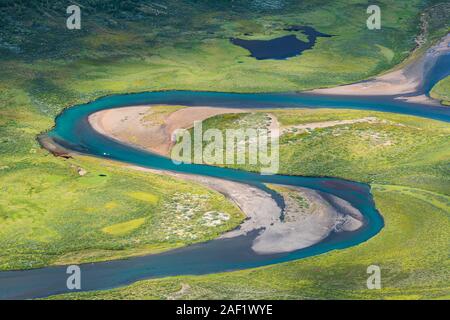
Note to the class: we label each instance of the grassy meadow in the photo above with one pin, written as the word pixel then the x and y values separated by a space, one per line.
pixel 186 46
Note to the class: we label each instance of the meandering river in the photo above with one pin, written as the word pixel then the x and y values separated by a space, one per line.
pixel 73 131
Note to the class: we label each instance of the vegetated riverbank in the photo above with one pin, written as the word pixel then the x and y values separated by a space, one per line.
pixel 403 249
pixel 367 146
pixel 39 79
pixel 110 212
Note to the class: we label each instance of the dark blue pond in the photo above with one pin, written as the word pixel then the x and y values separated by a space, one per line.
pixel 282 47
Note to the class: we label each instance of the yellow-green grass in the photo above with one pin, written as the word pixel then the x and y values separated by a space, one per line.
pixel 441 91
pixel 49 207
pixel 410 185
pixel 411 250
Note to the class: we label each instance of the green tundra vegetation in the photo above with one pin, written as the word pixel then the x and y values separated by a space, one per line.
pixel 441 91
pixel 56 211
pixel 185 45
pixel 411 251
pixel 404 158
pixel 57 216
